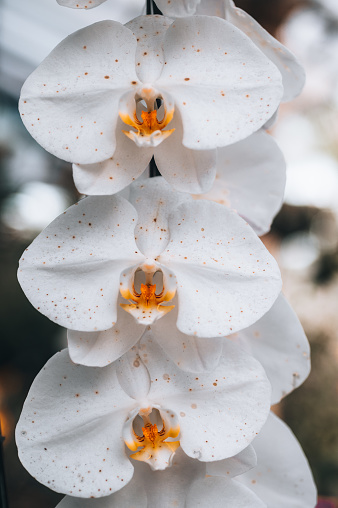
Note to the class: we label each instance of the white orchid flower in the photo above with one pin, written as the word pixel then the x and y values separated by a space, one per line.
pixel 281 478
pixel 104 97
pixel 250 178
pixel 142 401
pixel 147 250
pixel 292 72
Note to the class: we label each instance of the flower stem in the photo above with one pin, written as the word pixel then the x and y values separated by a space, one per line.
pixel 152 8
pixel 3 489
pixel 153 171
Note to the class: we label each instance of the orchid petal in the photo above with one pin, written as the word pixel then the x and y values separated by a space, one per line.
pixel 150 489
pixel 71 408
pixel 213 8
pixel 98 349
pixel 177 8
pixel 220 412
pixel 234 466
pixel 216 492
pixel 226 279
pixel 186 170
pixel 190 354
pixel 283 476
pixel 251 176
pixel 223 86
pixel 292 72
pixel 154 201
pixel 114 174
pixel 133 375
pixel 70 103
pixel 279 343
pixel 133 495
pixel 271 122
pixel 169 487
pixel 64 271
pixel 149 32
pixel 80 4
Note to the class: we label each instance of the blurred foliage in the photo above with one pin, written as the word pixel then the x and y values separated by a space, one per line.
pixel 312 413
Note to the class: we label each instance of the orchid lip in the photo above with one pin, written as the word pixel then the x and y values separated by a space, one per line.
pixel 153 446
pixel 148 114
pixel 146 302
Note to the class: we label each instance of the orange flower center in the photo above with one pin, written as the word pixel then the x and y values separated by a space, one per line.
pixel 147 305
pixel 155 450
pixel 148 126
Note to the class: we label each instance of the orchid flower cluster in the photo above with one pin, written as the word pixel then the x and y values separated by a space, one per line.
pixel 179 339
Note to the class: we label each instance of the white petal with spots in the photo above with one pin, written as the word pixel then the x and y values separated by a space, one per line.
pixel 293 74
pixel 226 279
pixel 98 349
pixel 154 201
pixel 283 476
pixel 71 272
pixel 291 70
pixel 149 32
pixel 224 87
pixel 113 174
pixel 70 102
pixel 80 4
pixel 279 343
pixel 70 431
pixel 220 412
